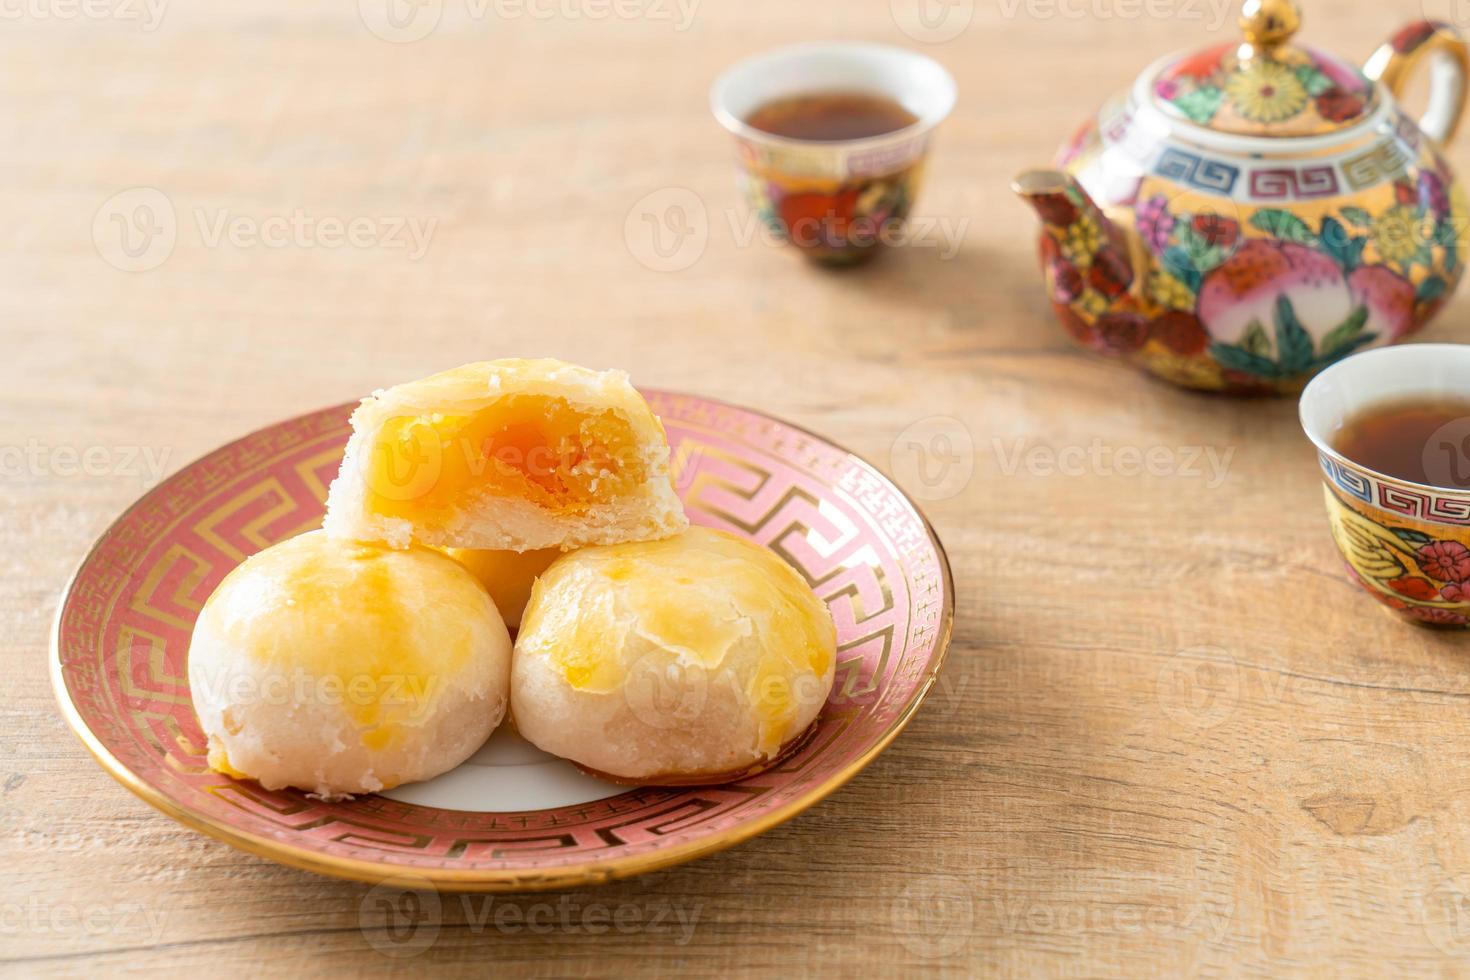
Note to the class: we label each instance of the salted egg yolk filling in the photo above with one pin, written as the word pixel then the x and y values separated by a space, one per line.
pixel 536 447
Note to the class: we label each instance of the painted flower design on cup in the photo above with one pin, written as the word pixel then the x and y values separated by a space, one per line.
pixel 837 224
pixel 1445 561
pixel 1438 617
pixel 1412 570
pixel 1455 592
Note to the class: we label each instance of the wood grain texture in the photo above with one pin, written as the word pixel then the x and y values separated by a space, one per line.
pixel 1170 736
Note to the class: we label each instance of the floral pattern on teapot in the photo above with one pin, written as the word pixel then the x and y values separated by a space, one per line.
pixel 1262 301
pixel 1303 90
pixel 1173 237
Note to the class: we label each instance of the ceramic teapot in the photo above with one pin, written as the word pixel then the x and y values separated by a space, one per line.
pixel 1248 214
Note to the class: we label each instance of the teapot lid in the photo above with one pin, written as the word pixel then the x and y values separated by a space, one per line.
pixel 1265 85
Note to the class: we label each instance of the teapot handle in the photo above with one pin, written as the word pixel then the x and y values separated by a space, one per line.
pixel 1443 47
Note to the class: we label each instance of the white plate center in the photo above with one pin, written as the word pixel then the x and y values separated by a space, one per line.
pixel 507 774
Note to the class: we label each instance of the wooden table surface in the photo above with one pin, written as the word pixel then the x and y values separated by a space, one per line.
pixel 1170 736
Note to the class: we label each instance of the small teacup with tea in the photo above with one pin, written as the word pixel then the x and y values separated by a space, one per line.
pixel 1392 431
pixel 831 140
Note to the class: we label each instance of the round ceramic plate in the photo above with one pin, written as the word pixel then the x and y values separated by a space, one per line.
pixel 510 818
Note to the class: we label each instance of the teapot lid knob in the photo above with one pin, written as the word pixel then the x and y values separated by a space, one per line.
pixel 1267 23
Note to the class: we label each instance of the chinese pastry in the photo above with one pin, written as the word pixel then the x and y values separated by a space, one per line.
pixel 514 455
pixel 694 659
pixel 339 667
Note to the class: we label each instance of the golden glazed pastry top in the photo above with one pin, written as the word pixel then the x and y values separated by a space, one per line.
pixel 381 633
pixel 719 604
pixel 471 386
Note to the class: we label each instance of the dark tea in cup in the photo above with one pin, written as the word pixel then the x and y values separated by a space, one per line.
pixel 830 116
pixel 1423 440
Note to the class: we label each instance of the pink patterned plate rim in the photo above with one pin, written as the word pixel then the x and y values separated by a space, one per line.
pixel 121 638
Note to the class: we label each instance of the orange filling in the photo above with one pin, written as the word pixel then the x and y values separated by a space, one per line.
pixel 535 447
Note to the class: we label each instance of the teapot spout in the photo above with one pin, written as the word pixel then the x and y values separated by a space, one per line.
pixel 1086 256
pixel 1057 197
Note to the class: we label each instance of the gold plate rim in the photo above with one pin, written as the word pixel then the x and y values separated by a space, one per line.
pixel 461 880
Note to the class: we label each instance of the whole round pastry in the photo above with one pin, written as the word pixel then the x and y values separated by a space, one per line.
pixel 339 667
pixel 693 659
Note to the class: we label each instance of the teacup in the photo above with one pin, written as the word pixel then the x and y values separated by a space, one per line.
pixel 837 201
pixel 1407 544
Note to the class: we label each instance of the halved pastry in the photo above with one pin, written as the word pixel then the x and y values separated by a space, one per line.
pixel 510 455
